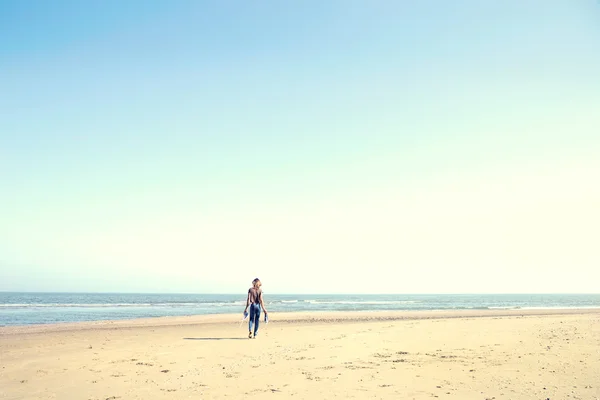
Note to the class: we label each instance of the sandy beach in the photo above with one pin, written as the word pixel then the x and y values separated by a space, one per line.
pixel 499 354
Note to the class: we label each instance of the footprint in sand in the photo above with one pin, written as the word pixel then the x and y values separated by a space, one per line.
pixel 380 355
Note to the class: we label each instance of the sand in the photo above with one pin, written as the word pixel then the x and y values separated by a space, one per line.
pixel 403 355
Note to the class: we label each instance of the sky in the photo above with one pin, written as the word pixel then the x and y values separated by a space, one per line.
pixel 323 146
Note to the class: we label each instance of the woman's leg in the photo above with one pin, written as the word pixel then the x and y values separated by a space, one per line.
pixel 257 316
pixel 251 320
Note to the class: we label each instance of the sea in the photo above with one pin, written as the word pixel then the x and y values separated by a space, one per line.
pixel 51 308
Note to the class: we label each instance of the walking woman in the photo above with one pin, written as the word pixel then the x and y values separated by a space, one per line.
pixel 255 302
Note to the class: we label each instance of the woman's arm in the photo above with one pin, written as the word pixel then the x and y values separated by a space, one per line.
pixel 262 303
pixel 247 301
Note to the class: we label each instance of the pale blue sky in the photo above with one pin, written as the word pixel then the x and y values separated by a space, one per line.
pixel 369 146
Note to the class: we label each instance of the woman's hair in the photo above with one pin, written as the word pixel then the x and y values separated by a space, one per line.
pixel 256 282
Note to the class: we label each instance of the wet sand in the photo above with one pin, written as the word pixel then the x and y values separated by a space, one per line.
pixel 479 354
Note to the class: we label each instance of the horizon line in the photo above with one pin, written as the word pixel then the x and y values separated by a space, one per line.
pixel 307 294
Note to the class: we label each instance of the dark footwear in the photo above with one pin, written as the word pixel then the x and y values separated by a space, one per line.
pixel 249 335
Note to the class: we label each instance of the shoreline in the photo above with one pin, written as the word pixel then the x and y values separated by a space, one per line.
pixel 288 318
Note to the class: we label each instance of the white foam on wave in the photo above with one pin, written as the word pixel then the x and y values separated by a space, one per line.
pixel 366 302
pixel 58 305
pixel 108 305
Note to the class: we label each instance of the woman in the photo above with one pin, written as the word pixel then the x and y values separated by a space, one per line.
pixel 255 302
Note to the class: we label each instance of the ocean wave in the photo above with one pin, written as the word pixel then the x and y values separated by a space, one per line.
pixel 293 302
pixel 108 305
pixel 366 302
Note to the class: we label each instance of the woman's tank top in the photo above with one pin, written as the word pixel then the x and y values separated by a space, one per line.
pixel 254 295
